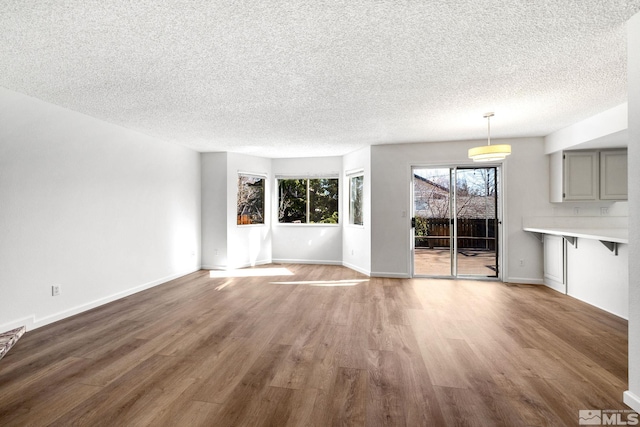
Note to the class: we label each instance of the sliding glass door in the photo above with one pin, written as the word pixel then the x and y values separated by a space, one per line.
pixel 455 221
pixel 431 219
pixel 476 222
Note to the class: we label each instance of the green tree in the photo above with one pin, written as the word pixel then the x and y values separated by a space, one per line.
pixel 323 199
pixel 356 188
pixel 292 200
pixel 250 203
pixel 308 200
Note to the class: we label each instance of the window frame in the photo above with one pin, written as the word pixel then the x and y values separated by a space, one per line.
pixel 351 177
pixel 308 179
pixel 263 177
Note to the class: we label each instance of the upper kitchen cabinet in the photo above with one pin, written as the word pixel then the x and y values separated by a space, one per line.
pixel 580 175
pixel 588 175
pixel 613 175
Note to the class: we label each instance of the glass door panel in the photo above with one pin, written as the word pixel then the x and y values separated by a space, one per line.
pixel 476 222
pixel 432 249
pixel 455 221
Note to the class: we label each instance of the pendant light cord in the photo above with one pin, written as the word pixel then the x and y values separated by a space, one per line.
pixel 488 117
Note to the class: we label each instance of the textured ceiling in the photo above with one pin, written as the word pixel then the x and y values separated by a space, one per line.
pixel 311 77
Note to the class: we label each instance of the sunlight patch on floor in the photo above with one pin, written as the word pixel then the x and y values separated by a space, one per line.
pixel 224 285
pixel 250 272
pixel 324 282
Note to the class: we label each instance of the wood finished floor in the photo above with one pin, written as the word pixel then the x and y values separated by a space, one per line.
pixel 437 262
pixel 320 352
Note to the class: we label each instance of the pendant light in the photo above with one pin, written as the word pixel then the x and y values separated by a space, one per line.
pixel 489 153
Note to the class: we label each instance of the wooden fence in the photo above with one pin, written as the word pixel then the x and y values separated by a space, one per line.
pixel 473 233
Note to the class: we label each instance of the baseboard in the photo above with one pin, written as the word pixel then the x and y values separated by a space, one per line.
pixel 356 268
pixel 214 267
pixel 305 261
pixel 34 322
pixel 247 265
pixel 600 307
pixel 235 267
pixel 632 400
pixel 524 281
pixel 390 275
pixel 25 321
pixel 558 288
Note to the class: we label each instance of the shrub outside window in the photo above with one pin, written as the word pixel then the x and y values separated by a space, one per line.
pixel 308 201
pixel 356 191
pixel 250 199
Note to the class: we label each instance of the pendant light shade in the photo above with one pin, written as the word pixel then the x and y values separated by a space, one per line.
pixel 488 153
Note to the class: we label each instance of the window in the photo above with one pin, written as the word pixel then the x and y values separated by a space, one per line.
pixel 356 190
pixel 250 199
pixel 308 201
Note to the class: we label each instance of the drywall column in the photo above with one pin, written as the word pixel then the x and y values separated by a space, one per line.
pixel 214 210
pixel 632 396
pixel 356 240
pixel 247 245
pixel 226 245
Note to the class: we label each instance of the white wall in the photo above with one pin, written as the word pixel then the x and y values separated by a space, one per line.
pixel 526 182
pixel 98 209
pixel 247 245
pixel 632 396
pixel 596 276
pixel 527 194
pixel 356 240
pixel 214 210
pixel 318 244
pixel 225 244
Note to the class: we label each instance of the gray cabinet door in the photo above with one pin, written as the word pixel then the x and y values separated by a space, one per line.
pixel 613 175
pixel 554 263
pixel 581 175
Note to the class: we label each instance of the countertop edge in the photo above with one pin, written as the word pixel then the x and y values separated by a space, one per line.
pixel 617 235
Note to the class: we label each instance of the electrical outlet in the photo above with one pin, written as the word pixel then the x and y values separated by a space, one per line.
pixel 521 263
pixel 576 211
pixel 215 252
pixel 604 211
pixel 55 290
